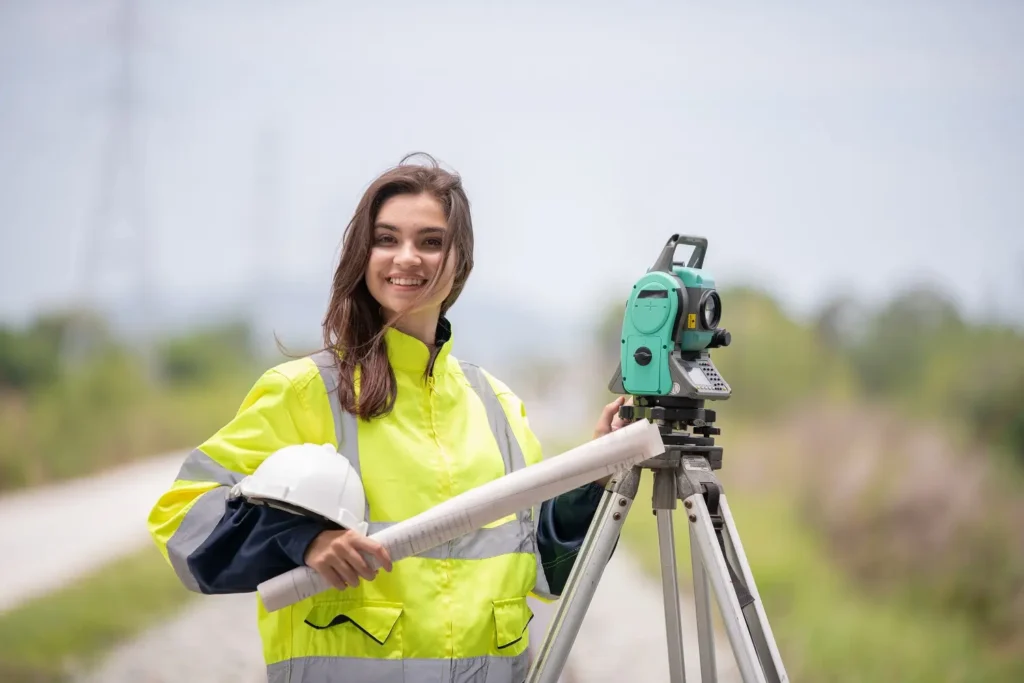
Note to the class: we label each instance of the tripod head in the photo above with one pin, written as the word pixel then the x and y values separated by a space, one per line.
pixel 668 328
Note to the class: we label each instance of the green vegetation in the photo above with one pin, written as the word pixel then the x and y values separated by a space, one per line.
pixel 875 465
pixel 826 629
pixel 45 639
pixel 67 412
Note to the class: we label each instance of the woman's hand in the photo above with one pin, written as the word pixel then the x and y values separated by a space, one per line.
pixel 335 555
pixel 608 423
pixel 610 420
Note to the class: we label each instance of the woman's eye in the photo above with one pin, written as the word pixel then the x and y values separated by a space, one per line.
pixel 435 242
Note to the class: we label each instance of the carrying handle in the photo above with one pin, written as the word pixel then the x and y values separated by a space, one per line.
pixel 668 254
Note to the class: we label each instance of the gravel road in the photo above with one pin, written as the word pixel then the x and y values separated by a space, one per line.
pixel 59 532
pixel 622 638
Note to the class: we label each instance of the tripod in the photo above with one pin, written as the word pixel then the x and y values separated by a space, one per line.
pixel 683 472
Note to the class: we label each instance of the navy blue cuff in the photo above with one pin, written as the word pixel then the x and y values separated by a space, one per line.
pixel 573 511
pixel 250 544
pixel 295 543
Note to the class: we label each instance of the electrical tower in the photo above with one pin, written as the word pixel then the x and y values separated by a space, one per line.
pixel 263 228
pixel 118 239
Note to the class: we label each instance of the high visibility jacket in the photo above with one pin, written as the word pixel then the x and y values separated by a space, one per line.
pixel 456 613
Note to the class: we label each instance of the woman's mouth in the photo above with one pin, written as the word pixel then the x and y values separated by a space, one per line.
pixel 409 282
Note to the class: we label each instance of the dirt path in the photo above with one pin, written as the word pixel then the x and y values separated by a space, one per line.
pixel 213 640
pixel 623 635
pixel 57 533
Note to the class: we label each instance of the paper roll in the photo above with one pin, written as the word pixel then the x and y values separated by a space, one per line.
pixel 474 509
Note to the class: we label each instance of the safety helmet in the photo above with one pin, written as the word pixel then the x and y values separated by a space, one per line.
pixel 306 479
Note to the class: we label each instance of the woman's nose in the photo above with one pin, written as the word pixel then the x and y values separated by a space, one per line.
pixel 407 255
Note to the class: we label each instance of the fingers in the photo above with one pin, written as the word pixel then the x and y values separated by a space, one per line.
pixel 604 423
pixel 358 564
pixel 332 574
pixel 341 562
pixel 611 409
pixel 363 543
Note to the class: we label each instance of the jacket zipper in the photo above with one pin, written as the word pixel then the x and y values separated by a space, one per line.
pixel 445 563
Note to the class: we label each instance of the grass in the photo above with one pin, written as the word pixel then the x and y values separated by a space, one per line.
pixel 111 426
pixel 827 630
pixel 72 628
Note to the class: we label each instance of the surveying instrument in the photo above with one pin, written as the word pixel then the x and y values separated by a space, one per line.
pixel 670 323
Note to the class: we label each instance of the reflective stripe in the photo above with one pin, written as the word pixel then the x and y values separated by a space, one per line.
pixel 514 460
pixel 198 466
pixel 500 427
pixel 480 544
pixel 201 519
pixel 196 527
pixel 345 423
pixel 338 669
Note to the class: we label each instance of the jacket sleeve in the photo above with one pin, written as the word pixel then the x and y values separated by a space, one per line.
pixel 562 526
pixel 216 544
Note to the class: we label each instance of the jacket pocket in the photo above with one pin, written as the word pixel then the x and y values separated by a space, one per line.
pixel 511 617
pixel 375 619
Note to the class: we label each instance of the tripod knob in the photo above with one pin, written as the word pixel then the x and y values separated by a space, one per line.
pixel 626 412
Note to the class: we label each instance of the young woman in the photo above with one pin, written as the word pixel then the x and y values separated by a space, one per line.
pixel 420 427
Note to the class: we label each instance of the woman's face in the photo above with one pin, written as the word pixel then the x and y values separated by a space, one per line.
pixel 405 252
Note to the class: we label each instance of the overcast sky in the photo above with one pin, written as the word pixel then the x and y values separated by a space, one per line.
pixel 820 146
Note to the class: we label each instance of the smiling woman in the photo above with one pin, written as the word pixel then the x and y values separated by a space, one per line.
pixel 418 426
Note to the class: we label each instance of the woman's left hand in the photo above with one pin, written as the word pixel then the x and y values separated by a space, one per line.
pixel 608 423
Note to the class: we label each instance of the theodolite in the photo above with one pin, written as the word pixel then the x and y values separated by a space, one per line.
pixel 669 326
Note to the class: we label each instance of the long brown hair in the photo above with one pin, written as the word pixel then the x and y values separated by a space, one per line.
pixel 354 324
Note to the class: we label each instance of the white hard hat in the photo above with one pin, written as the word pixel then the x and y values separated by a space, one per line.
pixel 309 478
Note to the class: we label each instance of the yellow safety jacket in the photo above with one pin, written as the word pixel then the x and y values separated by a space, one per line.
pixel 457 613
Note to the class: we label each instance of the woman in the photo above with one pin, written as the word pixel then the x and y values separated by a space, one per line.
pixel 420 427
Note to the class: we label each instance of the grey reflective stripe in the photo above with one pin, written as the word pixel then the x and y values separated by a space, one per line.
pixel 496 417
pixel 198 524
pixel 344 669
pixel 512 452
pixel 201 519
pixel 198 466
pixel 480 544
pixel 346 427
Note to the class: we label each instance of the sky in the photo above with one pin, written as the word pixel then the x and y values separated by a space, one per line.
pixel 822 148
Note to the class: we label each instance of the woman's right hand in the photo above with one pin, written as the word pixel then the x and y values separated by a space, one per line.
pixel 335 555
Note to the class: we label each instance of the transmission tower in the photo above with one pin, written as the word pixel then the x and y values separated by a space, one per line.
pixel 263 228
pixel 120 197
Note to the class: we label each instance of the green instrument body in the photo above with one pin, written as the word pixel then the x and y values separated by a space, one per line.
pixel 671 320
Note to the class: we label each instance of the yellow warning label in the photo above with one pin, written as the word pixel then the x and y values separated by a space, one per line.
pixel 691 321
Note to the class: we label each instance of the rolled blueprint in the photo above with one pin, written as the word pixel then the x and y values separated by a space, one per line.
pixel 474 509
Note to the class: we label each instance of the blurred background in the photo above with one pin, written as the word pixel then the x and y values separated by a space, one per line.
pixel 175 179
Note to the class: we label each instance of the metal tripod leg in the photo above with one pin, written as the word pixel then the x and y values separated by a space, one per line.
pixel 664 502
pixel 702 604
pixel 583 579
pixel 747 627
pixel 757 619
pixel 728 604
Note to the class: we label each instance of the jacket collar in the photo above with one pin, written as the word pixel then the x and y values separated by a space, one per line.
pixel 408 354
